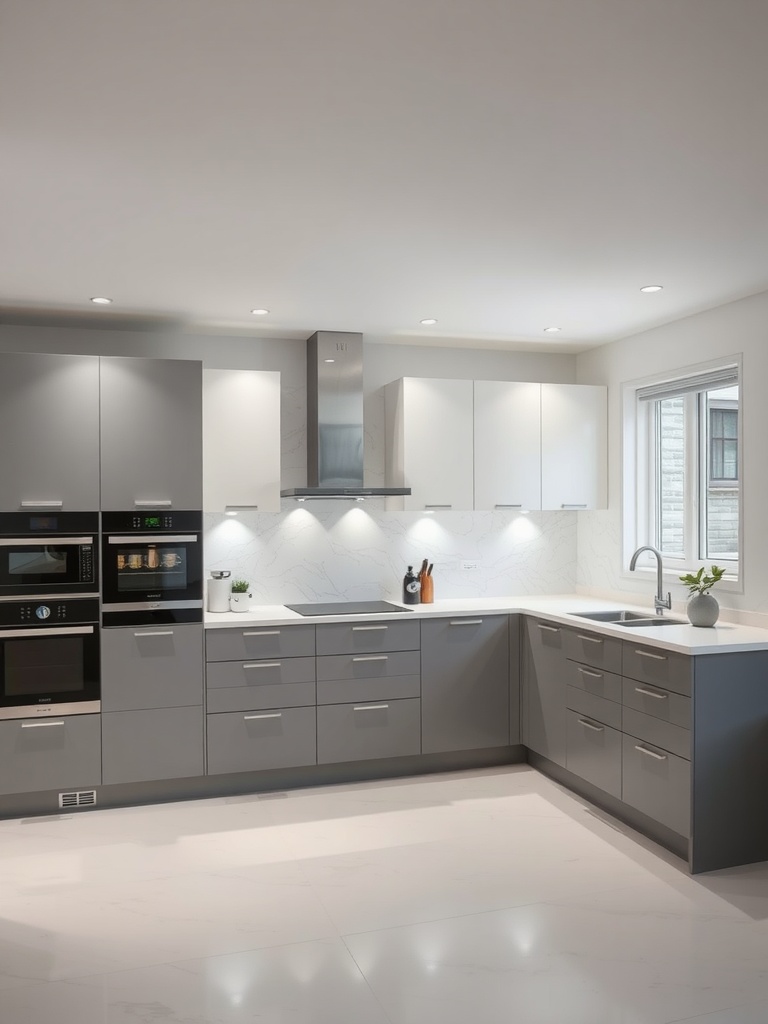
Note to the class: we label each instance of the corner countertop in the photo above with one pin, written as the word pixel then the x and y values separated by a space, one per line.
pixel 723 638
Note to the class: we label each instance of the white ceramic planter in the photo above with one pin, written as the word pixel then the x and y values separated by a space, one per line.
pixel 702 609
pixel 240 602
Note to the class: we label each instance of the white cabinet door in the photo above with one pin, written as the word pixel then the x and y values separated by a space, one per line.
pixel 507 445
pixel 241 440
pixel 573 446
pixel 429 442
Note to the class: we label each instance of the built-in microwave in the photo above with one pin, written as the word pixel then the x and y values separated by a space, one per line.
pixel 49 553
pixel 152 567
pixel 49 658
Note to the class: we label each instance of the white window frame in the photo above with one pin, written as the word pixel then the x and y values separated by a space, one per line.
pixel 638 483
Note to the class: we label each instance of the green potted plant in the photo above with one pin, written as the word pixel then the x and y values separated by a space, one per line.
pixel 240 598
pixel 702 607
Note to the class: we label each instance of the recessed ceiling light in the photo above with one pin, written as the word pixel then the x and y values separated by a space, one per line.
pixel 652 288
pixel 100 300
pixel 259 312
pixel 428 322
pixel 552 330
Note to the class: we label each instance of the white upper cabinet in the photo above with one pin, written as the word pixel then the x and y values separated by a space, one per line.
pixel 151 434
pixel 574 444
pixel 429 443
pixel 49 432
pixel 507 445
pixel 241 440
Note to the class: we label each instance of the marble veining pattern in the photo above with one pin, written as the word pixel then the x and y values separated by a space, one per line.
pixel 489 895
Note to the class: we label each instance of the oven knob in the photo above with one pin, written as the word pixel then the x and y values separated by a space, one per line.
pixel 42 611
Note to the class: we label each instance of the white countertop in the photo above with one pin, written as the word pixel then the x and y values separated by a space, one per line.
pixel 724 637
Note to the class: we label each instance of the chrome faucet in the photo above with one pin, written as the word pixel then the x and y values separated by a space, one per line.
pixel 659 602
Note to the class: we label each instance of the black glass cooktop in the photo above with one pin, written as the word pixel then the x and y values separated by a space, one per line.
pixel 346 608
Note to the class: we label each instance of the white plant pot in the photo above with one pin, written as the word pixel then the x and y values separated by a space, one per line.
pixel 703 610
pixel 240 602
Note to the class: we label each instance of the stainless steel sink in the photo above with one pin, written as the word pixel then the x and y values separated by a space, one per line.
pixel 623 617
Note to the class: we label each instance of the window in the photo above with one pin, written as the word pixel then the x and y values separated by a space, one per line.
pixel 686 470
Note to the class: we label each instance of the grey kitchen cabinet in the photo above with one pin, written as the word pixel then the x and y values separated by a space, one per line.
pixel 345 678
pixel 367 637
pixel 355 732
pixel 594 751
pixel 544 678
pixel 151 667
pixel 260 740
pixel 658 783
pixel 251 685
pixel 151 433
pixel 49 425
pixel 514 679
pixel 160 743
pixel 465 687
pixel 260 642
pixel 50 753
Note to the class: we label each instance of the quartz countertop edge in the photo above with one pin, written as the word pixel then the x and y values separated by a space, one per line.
pixel 723 638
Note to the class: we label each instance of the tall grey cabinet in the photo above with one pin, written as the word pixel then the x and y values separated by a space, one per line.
pixel 543 689
pixel 464 683
pixel 151 433
pixel 49 432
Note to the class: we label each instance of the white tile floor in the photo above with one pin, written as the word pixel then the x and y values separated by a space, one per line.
pixel 469 898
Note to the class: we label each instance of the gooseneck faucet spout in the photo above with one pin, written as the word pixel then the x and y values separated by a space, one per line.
pixel 659 602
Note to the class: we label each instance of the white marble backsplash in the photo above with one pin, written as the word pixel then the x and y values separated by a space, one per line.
pixel 329 551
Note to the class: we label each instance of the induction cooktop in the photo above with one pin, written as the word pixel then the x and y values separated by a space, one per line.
pixel 346 608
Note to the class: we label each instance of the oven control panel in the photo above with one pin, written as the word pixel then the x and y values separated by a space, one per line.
pixel 152 522
pixel 51 612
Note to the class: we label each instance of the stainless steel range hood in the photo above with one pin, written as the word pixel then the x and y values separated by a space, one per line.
pixel 335 420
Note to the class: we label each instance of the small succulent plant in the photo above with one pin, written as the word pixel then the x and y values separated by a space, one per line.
pixel 240 586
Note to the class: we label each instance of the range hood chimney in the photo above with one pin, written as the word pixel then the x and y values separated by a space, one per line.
pixel 335 420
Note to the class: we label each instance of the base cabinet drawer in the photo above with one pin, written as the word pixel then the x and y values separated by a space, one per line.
pixel 50 753
pixel 356 732
pixel 593 649
pixel 254 642
pixel 657 783
pixel 350 678
pixel 251 685
pixel 164 743
pixel 151 667
pixel 259 740
pixel 593 752
pixel 660 667
pixel 657 702
pixel 358 638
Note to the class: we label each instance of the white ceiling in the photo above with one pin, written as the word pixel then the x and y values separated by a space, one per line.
pixel 502 165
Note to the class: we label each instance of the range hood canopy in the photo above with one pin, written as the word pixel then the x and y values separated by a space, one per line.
pixel 335 451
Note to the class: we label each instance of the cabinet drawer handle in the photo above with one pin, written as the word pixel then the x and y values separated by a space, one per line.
pixel 156 632
pixel 156 503
pixel 593 675
pixel 647 654
pixel 591 725
pixel 651 693
pixel 370 707
pixel 41 504
pixel 591 639
pixel 549 629
pixel 263 632
pixel 367 629
pixel 272 714
pixel 438 506
pixel 650 753
pixel 372 657
pixel 262 664
pixel 39 725
pixel 498 505
pixel 466 622
pixel 567 504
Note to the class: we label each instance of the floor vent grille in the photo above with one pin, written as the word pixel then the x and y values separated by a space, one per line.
pixel 81 798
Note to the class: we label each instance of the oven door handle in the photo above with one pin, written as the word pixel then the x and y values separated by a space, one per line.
pixel 8 634
pixel 34 541
pixel 143 538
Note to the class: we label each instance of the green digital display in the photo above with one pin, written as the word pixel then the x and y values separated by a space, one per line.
pixel 151 522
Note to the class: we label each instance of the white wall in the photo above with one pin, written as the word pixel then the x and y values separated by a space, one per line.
pixel 329 551
pixel 739 327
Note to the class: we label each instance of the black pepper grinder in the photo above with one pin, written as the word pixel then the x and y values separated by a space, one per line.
pixel 411 587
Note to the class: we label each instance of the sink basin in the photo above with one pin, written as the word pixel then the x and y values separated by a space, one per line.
pixel 623 617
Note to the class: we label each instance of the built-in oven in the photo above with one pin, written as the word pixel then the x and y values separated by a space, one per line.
pixel 49 553
pixel 152 567
pixel 49 657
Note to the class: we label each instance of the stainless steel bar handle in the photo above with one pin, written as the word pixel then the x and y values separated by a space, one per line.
pixel 159 538
pixel 155 632
pixel 262 664
pixel 568 504
pixel 650 753
pixel 465 622
pixel 372 657
pixel 591 639
pixel 59 542
pixel 370 707
pixel 591 725
pixel 367 629
pixel 586 672
pixel 549 629
pixel 7 634
pixel 41 725
pixel 506 505
pixel 157 503
pixel 647 654
pixel 272 714
pixel 262 632
pixel 651 693
pixel 438 506
pixel 41 504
